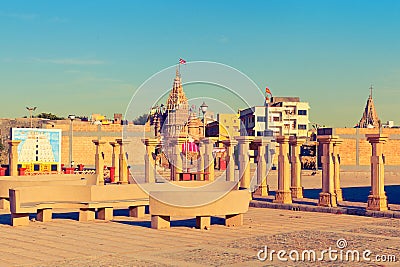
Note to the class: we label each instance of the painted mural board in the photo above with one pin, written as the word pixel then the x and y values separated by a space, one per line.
pixel 42 146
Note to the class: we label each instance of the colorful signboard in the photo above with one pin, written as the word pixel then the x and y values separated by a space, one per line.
pixel 39 150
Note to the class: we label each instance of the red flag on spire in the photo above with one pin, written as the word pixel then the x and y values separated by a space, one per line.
pixel 267 91
pixel 182 61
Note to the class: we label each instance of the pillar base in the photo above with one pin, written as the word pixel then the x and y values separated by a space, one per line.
pixel 327 200
pixel 262 191
pixel 378 203
pixel 86 215
pixel 203 222
pixel 44 215
pixel 160 222
pixel 339 195
pixel 284 197
pixel 19 219
pixel 297 192
pixel 234 220
pixel 5 204
pixel 106 214
pixel 137 212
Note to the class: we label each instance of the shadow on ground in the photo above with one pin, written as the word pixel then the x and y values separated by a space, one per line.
pixel 174 223
pixel 359 194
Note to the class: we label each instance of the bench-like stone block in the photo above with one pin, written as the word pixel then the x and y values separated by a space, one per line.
pixel 4 204
pixel 137 212
pixel 160 222
pixel 106 214
pixel 87 215
pixel 234 220
pixel 44 215
pixel 19 219
pixel 203 222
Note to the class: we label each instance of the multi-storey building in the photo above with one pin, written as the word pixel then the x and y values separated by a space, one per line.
pixel 225 127
pixel 286 116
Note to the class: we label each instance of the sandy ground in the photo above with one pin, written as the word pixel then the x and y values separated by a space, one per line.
pixel 130 242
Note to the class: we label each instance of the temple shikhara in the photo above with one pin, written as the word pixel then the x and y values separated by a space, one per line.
pixel 176 119
pixel 173 121
pixel 369 118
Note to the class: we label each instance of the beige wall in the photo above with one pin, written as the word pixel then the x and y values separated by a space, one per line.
pixel 83 148
pixel 355 151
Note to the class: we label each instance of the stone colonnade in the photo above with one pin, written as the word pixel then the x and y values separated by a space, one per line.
pixel 289 169
pixel 119 161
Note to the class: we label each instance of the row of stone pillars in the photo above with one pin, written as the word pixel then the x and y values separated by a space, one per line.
pixel 119 161
pixel 331 190
pixel 289 166
pixel 289 169
pixel 205 165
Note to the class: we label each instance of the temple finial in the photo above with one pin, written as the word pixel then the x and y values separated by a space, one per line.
pixel 177 72
pixel 370 88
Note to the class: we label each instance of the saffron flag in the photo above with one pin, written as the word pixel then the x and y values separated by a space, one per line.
pixel 182 61
pixel 267 91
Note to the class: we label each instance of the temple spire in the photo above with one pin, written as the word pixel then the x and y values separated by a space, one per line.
pixel 369 118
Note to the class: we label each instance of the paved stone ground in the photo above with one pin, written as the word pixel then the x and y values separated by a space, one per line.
pixel 131 242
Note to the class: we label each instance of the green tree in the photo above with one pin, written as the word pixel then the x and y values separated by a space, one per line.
pixel 49 116
pixel 141 120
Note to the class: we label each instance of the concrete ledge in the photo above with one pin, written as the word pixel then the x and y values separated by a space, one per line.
pixel 336 210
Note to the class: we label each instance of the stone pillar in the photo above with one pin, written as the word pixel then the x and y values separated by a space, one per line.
pixel 13 157
pixel 283 194
pixel 262 156
pixel 200 162
pixel 377 200
pixel 327 197
pixel 149 162
pixel 208 157
pixel 176 164
pixel 123 162
pixel 336 170
pixel 244 160
pixel 99 161
pixel 296 188
pixel 230 159
pixel 115 160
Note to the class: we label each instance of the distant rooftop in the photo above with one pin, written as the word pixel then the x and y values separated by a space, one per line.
pixel 276 99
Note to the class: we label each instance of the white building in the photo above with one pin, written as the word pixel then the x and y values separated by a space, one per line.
pixel 286 116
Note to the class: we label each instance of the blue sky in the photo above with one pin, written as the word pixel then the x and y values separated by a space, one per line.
pixel 88 57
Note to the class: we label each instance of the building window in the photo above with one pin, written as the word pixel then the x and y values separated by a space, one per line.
pixel 302 112
pixel 276 119
pixel 259 133
pixel 302 127
pixel 260 119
